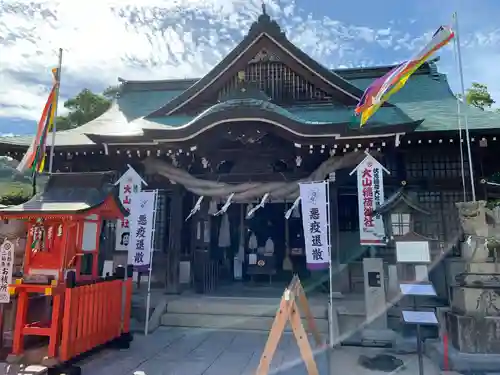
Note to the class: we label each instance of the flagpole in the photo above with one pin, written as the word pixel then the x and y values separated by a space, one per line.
pixel 459 120
pixel 54 127
pixel 151 254
pixel 466 122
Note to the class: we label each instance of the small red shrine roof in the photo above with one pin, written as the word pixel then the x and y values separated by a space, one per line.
pixel 72 194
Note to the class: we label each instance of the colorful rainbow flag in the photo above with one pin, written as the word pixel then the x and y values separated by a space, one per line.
pixel 386 86
pixel 34 158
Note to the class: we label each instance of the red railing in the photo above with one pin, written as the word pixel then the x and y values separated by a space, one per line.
pixel 84 315
pixel 90 316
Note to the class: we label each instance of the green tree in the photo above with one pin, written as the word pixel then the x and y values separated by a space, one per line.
pixel 15 197
pixel 479 96
pixel 85 107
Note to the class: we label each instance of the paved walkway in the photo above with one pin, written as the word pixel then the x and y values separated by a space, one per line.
pixel 178 351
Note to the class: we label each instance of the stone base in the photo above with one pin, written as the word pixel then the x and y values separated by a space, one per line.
pixel 461 362
pixel 470 334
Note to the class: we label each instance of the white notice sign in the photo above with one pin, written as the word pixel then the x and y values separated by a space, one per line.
pixel 313 197
pixel 130 183
pixel 419 317
pixel 417 290
pixel 141 228
pixel 6 267
pixel 370 175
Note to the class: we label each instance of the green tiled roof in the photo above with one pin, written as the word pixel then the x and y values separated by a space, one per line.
pixel 310 115
pixel 135 104
pixel 425 96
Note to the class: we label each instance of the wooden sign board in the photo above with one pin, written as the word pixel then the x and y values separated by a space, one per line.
pixel 293 298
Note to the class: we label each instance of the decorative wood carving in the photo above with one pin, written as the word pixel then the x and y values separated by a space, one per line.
pixel 264 56
pixel 276 79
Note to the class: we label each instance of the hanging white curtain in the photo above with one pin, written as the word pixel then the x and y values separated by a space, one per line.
pixel 212 207
pixel 252 242
pixel 269 247
pixel 224 232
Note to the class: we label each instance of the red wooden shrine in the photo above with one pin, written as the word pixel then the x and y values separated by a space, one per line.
pixel 61 262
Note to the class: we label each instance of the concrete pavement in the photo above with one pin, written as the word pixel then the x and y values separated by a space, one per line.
pixel 179 351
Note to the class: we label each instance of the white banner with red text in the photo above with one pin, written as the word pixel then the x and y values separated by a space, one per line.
pixel 370 174
pixel 130 183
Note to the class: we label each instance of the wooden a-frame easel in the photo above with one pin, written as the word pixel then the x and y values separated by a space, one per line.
pixel 289 311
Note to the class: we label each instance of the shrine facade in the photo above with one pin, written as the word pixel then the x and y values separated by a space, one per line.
pixel 264 118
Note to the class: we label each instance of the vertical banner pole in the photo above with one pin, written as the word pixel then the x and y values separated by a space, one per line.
pixel 464 101
pixel 153 244
pixel 54 123
pixel 330 267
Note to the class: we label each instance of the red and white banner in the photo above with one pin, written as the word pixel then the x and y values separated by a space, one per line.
pixel 370 175
pixel 130 184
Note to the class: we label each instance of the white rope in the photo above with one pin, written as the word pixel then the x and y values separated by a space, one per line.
pixel 249 190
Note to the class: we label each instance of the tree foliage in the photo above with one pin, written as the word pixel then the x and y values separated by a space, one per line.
pixel 479 96
pixel 14 196
pixel 85 107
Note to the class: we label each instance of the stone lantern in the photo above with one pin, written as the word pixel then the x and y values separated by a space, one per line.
pixel 399 213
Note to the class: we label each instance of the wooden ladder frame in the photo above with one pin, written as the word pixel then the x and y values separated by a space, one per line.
pixel 289 311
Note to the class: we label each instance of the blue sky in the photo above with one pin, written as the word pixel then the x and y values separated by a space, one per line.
pixel 158 39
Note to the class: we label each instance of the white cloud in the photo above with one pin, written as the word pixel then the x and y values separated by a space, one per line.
pixel 158 39
pixel 147 39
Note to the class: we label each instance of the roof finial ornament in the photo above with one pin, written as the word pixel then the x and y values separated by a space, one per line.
pixel 264 8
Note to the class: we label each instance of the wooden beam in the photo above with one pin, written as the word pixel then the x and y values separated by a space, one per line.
pixel 174 241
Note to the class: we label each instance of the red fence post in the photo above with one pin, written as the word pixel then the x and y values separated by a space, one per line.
pixel 87 298
pixel 111 310
pixel 118 289
pixel 55 325
pixel 128 305
pixel 69 322
pixel 22 308
pixel 93 342
pixel 93 315
pixel 99 316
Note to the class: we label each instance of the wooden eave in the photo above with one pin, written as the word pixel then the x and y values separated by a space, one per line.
pixel 110 208
pixel 288 128
pixel 400 197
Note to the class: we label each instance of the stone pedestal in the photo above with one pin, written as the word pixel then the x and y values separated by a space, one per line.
pixel 375 297
pixel 473 324
pixel 470 334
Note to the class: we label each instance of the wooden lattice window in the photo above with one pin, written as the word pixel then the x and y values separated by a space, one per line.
pixel 432 165
pixel 430 225
pixel 443 222
pixel 277 80
pixel 400 223
pixel 162 224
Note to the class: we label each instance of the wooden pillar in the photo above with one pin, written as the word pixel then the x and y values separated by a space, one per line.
pixel 201 247
pixel 20 322
pixel 174 241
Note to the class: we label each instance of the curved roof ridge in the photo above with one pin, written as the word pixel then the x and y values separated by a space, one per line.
pixel 112 121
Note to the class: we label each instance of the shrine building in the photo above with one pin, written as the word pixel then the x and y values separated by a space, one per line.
pixel 267 116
